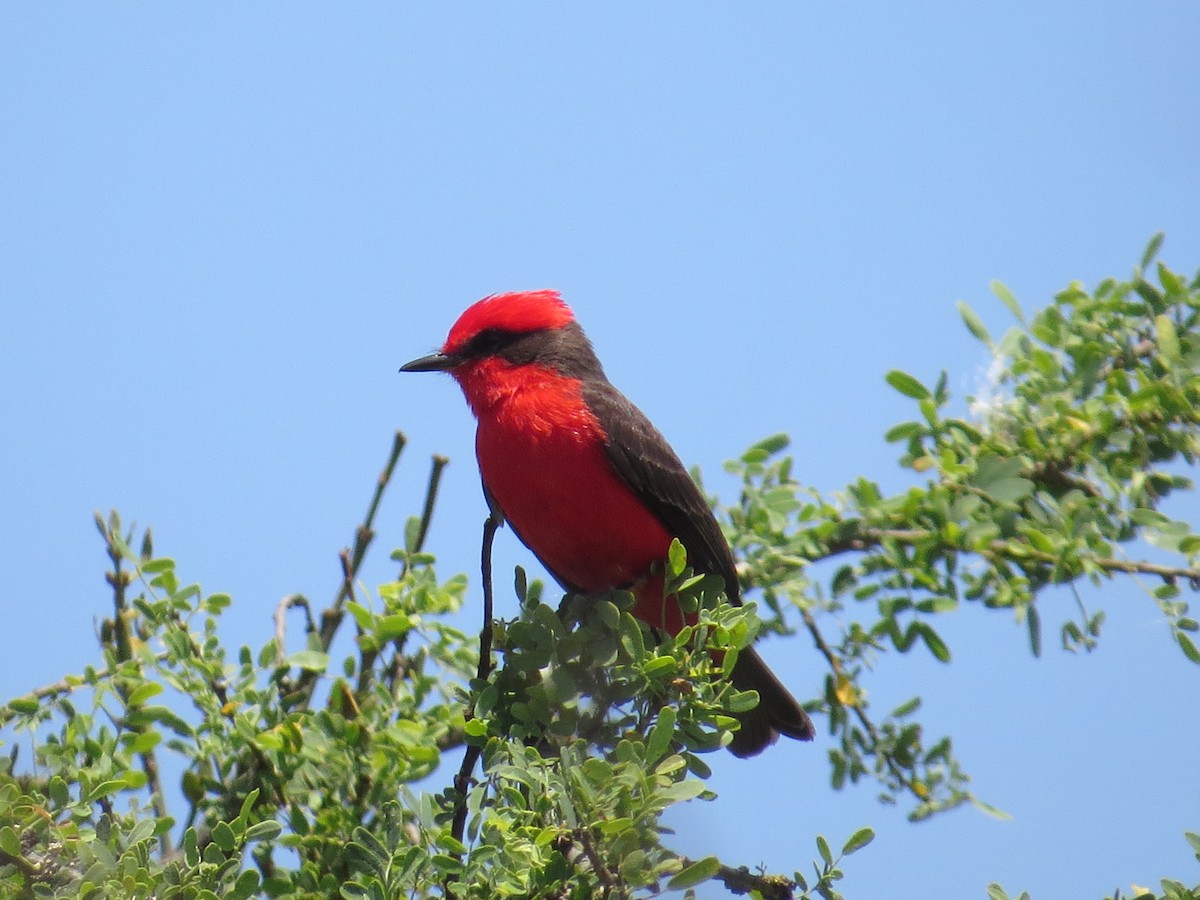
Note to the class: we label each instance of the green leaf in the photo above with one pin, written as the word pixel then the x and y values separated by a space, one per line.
pixel 682 790
pixel 676 559
pixel 247 808
pixel 412 534
pixel 142 831
pixel 1171 282
pixel 24 705
pixel 1188 646
pixel 223 836
pixel 992 811
pixel 904 431
pixel 104 788
pixel 1168 339
pixel 143 693
pixel 743 701
pixel 769 446
pixel 858 840
pixel 907 384
pixel 312 660
pixel 974 323
pixel 1034 620
pixel 59 792
pixel 823 849
pixel 191 852
pixel 906 708
pixel 696 873
pixel 1010 490
pixel 659 667
pixel 659 740
pixel 1008 299
pixel 1152 250
pixel 214 603
pixel 363 617
pixel 193 786
pixel 245 886
pixel 390 627
pixel 264 831
pixel 447 841
pixel 631 638
pixel 936 645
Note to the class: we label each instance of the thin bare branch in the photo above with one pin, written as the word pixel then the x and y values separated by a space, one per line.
pixel 288 602
pixel 462 781
pixel 431 491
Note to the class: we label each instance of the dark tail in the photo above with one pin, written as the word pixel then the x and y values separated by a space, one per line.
pixel 777 711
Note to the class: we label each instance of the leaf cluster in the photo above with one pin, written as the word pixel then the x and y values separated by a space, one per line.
pixel 1052 478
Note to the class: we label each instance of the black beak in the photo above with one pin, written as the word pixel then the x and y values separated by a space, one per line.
pixel 435 362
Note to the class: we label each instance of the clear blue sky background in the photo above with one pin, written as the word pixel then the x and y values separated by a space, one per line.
pixel 223 227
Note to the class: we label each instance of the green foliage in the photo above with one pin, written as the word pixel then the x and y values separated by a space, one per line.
pixel 316 766
pixel 1054 477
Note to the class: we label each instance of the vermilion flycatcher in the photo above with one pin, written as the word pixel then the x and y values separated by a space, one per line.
pixel 586 482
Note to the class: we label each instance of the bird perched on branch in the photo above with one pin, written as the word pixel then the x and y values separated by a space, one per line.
pixel 587 482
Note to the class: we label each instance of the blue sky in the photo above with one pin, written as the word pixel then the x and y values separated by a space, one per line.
pixel 224 227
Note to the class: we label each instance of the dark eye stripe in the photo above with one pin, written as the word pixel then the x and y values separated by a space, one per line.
pixel 565 350
pixel 488 342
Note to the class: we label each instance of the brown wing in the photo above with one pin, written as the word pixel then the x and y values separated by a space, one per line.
pixel 645 461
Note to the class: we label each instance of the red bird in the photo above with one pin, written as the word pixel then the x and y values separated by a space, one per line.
pixel 586 482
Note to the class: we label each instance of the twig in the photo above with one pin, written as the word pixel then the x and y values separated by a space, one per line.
pixel 398 442
pixel 609 883
pixel 835 665
pixel 281 609
pixel 741 881
pixel 868 538
pixel 350 561
pixel 462 781
pixel 485 564
pixel 363 535
pixel 63 686
pixel 435 479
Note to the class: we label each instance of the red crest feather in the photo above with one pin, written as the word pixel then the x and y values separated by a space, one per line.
pixel 519 312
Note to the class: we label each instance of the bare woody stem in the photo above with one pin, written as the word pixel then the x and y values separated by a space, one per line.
pixel 462 781
pixel 350 561
pixel 435 479
pixel 869 538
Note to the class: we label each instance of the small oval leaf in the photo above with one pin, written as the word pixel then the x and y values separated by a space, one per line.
pixel 907 385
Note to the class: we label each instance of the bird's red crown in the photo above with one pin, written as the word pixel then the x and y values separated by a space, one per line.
pixel 520 312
